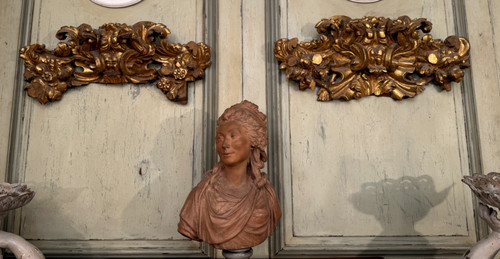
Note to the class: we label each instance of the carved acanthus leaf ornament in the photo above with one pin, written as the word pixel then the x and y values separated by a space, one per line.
pixel 112 54
pixel 373 56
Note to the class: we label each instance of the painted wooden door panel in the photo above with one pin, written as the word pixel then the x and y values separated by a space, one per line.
pixel 10 15
pixel 112 163
pixel 372 175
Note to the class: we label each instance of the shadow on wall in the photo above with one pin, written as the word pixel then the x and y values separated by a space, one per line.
pixel 53 222
pixel 162 179
pixel 398 204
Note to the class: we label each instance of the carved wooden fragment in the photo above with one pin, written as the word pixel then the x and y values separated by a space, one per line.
pixel 373 56
pixel 13 196
pixel 487 190
pixel 114 53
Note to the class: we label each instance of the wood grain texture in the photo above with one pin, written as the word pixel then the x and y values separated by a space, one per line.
pixel 229 54
pixel 254 54
pixel 10 17
pixel 483 22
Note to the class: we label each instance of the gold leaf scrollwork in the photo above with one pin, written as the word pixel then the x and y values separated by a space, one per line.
pixel 372 56
pixel 112 54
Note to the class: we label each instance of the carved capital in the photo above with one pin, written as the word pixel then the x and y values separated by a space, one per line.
pixel 372 56
pixel 112 54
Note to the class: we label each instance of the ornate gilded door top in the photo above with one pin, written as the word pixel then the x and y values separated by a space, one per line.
pixel 112 54
pixel 373 56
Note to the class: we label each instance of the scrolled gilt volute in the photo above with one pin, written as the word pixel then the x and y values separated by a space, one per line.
pixel 372 56
pixel 114 53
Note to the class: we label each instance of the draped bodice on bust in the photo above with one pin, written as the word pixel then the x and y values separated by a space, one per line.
pixel 227 219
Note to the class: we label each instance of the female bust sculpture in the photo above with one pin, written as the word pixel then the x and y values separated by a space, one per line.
pixel 234 206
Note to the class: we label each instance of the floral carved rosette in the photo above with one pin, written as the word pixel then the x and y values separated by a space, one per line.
pixel 372 56
pixel 114 53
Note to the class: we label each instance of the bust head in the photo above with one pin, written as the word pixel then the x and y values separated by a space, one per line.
pixel 233 145
pixel 248 123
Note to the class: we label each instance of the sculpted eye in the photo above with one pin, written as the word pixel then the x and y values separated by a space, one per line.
pixel 235 134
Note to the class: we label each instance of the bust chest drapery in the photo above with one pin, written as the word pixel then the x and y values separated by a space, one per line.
pixel 216 215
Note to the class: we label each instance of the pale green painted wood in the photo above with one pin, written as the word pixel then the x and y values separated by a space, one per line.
pixel 10 19
pixel 112 162
pixel 82 155
pixel 373 174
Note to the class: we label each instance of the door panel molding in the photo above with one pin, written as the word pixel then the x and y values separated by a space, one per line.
pixel 284 242
pixel 154 248
pixel 471 117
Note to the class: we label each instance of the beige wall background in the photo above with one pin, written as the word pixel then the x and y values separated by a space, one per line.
pixel 354 177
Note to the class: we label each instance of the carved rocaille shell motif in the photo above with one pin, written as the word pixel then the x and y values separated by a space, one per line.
pixel 372 56
pixel 13 196
pixel 114 53
pixel 485 187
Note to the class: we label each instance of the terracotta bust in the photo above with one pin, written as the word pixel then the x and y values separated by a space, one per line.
pixel 234 206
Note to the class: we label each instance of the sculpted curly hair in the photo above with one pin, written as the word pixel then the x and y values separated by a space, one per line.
pixel 249 117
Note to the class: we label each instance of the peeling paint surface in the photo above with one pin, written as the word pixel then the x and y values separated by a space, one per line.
pixel 374 167
pixel 111 161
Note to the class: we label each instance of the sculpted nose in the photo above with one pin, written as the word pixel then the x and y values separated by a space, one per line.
pixel 225 143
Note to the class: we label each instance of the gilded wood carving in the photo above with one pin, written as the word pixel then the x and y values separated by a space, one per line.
pixel 373 56
pixel 114 53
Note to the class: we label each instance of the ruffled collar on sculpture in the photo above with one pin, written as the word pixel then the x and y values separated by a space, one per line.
pixel 227 219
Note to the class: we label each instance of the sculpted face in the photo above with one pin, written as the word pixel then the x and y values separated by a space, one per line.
pixel 233 145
